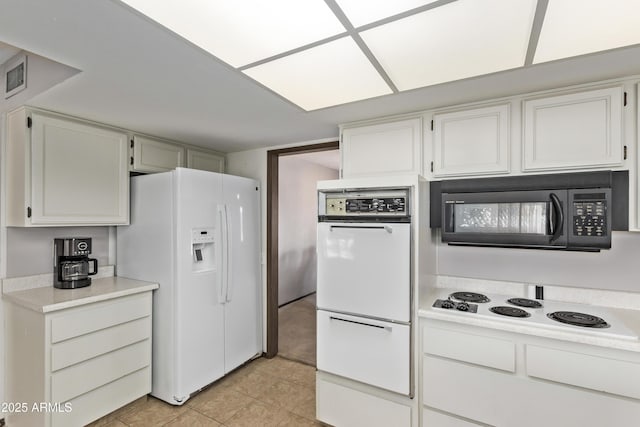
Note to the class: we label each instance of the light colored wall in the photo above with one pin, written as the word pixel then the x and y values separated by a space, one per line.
pixel 297 218
pixel 30 250
pixel 613 269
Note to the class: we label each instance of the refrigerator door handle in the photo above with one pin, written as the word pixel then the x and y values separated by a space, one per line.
pixel 229 264
pixel 221 255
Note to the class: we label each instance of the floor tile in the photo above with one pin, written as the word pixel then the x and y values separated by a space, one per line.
pixel 307 408
pixel 221 404
pixel 292 420
pixel 153 413
pixel 257 414
pixel 286 395
pixel 191 418
pixel 254 384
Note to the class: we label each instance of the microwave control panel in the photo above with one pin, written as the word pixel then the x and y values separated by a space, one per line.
pixel 589 217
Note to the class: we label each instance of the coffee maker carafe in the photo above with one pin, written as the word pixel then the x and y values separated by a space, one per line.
pixel 71 262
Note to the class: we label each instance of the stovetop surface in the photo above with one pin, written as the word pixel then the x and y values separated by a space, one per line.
pixel 538 316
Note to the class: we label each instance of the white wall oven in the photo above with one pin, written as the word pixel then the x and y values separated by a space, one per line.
pixel 364 295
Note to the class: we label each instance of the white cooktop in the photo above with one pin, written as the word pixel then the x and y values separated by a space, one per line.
pixel 617 328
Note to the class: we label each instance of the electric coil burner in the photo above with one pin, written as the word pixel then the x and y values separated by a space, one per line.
pixel 524 302
pixel 578 319
pixel 504 310
pixel 470 297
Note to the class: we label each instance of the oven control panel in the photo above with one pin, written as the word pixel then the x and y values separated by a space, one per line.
pixel 386 203
pixel 589 217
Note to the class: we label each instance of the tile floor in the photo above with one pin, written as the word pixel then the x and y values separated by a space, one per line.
pixel 297 330
pixel 264 392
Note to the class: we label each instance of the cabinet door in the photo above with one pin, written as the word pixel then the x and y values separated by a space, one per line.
pixel 574 131
pixel 79 173
pixel 152 155
pixel 471 142
pixel 382 149
pixel 202 160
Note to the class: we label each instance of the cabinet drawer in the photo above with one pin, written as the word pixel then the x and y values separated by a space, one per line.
pixel 480 350
pixel 365 350
pixel 431 418
pixel 104 400
pixel 83 377
pixel 87 346
pixel 338 405
pixel 593 372
pixel 98 316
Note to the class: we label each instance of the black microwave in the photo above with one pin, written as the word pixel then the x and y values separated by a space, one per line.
pixel 574 211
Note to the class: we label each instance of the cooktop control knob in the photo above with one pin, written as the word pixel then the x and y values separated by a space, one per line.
pixel 463 306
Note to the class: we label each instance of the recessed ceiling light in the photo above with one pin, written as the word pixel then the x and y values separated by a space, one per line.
pixel 330 74
pixel 577 27
pixel 364 12
pixel 241 32
pixel 458 40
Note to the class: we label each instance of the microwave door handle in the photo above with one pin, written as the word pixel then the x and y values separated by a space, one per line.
pixel 556 226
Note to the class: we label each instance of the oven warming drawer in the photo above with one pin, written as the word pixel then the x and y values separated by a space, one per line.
pixel 366 350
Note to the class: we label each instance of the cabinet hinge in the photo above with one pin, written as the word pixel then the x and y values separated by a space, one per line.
pixel 131 162
pixel 132 143
pixel 432 166
pixel 29 122
pixel 431 124
pixel 625 99
pixel 28 211
pixel 624 153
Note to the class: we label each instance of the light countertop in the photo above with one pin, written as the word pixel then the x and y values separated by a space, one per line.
pixel 49 299
pixel 629 319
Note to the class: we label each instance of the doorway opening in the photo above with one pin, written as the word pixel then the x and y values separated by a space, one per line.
pixel 292 174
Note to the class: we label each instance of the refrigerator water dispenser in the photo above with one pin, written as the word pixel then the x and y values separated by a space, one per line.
pixel 203 249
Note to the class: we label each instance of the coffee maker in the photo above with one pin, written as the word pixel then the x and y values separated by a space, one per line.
pixel 71 262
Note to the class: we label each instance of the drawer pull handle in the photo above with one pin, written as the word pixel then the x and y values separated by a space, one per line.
pixel 386 228
pixel 388 328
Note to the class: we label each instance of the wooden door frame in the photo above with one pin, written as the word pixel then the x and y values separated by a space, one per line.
pixel 272 234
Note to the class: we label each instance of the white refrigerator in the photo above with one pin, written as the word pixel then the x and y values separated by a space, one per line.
pixel 197 234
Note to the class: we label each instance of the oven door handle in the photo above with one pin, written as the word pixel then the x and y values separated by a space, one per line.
pixel 387 328
pixel 558 213
pixel 387 228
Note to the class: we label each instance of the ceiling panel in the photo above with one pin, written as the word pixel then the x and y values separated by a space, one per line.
pixel 576 27
pixel 241 32
pixel 330 74
pixel 364 12
pixel 458 40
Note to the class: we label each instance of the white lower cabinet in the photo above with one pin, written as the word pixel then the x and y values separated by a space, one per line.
pixel 343 403
pixel 83 362
pixel 554 382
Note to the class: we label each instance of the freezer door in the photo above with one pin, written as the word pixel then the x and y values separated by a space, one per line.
pixel 364 269
pixel 242 295
pixel 199 332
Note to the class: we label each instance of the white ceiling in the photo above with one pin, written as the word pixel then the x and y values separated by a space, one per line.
pixel 138 75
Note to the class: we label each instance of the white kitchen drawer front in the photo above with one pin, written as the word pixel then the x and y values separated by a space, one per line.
pixel 91 374
pixel 371 351
pixel 99 316
pixel 431 418
pixel 103 400
pixel 487 351
pixel 597 373
pixel 343 406
pixel 87 346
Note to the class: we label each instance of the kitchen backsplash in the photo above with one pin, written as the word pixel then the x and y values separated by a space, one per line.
pixel 30 250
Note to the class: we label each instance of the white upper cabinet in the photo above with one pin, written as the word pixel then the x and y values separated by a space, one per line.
pixel 61 171
pixel 471 142
pixel 154 155
pixel 382 149
pixel 197 159
pixel 574 131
